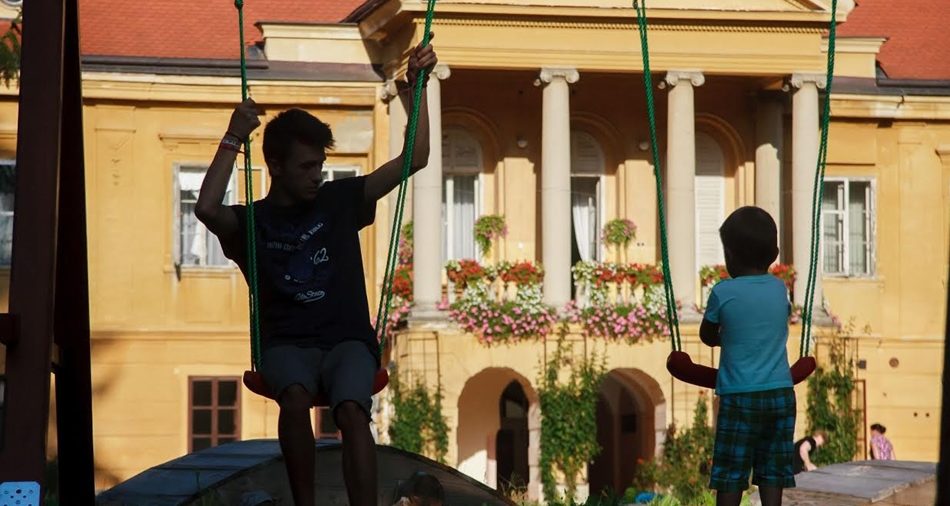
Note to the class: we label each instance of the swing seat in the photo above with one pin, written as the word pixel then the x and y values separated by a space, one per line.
pixel 255 383
pixel 684 369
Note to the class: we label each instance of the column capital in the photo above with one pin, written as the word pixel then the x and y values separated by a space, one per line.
pixel 674 77
pixel 388 90
pixel 441 71
pixel 799 79
pixel 549 74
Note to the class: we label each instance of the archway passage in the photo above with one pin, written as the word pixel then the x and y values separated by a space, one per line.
pixel 630 424
pixel 511 443
pixel 498 413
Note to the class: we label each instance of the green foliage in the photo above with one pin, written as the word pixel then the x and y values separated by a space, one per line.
pixel 568 415
pixel 487 229
pixel 830 407
pixel 684 466
pixel 10 52
pixel 619 232
pixel 418 425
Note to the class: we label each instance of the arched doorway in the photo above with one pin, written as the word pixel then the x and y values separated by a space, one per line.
pixel 631 422
pixel 511 443
pixel 498 431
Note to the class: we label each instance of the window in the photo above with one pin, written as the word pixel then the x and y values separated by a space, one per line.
pixel 325 424
pixel 7 188
pixel 847 212
pixel 587 170
pixel 333 173
pixel 197 246
pixel 461 193
pixel 214 412
pixel 710 195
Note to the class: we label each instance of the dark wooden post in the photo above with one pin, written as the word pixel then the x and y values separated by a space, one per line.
pixel 49 299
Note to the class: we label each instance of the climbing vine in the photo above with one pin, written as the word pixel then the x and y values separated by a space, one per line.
pixel 830 406
pixel 683 467
pixel 418 425
pixel 568 415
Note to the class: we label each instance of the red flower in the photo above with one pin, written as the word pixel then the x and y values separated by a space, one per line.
pixel 523 273
pixel 468 271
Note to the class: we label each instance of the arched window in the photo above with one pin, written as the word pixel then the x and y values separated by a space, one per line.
pixel 710 193
pixel 587 171
pixel 461 193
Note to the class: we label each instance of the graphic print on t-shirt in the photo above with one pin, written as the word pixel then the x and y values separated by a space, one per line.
pixel 299 258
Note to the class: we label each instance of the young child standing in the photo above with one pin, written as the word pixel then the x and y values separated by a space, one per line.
pixel 748 317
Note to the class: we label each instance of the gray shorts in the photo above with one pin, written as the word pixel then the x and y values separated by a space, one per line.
pixel 345 373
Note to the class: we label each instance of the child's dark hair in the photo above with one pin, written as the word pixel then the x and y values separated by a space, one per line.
pixel 294 125
pixel 422 486
pixel 751 237
pixel 878 427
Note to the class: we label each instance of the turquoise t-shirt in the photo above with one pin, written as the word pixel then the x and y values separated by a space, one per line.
pixel 752 313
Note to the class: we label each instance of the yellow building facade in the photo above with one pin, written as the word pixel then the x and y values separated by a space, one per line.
pixel 540 115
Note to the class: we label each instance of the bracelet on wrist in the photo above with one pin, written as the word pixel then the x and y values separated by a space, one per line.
pixel 231 142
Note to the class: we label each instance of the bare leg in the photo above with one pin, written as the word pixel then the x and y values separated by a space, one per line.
pixel 771 496
pixel 296 442
pixel 359 454
pixel 728 498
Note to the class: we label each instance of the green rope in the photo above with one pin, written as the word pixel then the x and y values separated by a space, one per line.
pixel 672 318
pixel 382 313
pixel 818 190
pixel 807 310
pixel 391 262
pixel 254 299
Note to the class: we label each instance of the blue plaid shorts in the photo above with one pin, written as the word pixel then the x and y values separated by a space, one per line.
pixel 754 430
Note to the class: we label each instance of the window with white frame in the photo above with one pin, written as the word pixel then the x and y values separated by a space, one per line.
pixel 336 172
pixel 587 174
pixel 7 189
pixel 197 246
pixel 461 193
pixel 847 212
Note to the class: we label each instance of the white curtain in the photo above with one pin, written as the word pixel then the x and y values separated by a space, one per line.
pixel 464 216
pixel 199 247
pixel 859 218
pixel 585 213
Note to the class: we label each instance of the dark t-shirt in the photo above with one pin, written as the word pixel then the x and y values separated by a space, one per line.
pixel 310 271
pixel 799 462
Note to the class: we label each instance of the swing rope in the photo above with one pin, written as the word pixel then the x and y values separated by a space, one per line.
pixel 672 318
pixel 382 312
pixel 386 294
pixel 818 190
pixel 254 299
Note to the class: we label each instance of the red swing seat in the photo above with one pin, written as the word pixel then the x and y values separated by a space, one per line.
pixel 684 369
pixel 255 383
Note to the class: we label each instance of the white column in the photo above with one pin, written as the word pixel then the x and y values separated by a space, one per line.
pixel 680 184
pixel 768 157
pixel 397 125
pixel 805 142
pixel 427 211
pixel 397 136
pixel 556 184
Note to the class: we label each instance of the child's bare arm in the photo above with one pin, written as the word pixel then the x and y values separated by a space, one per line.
pixel 709 333
pixel 210 208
